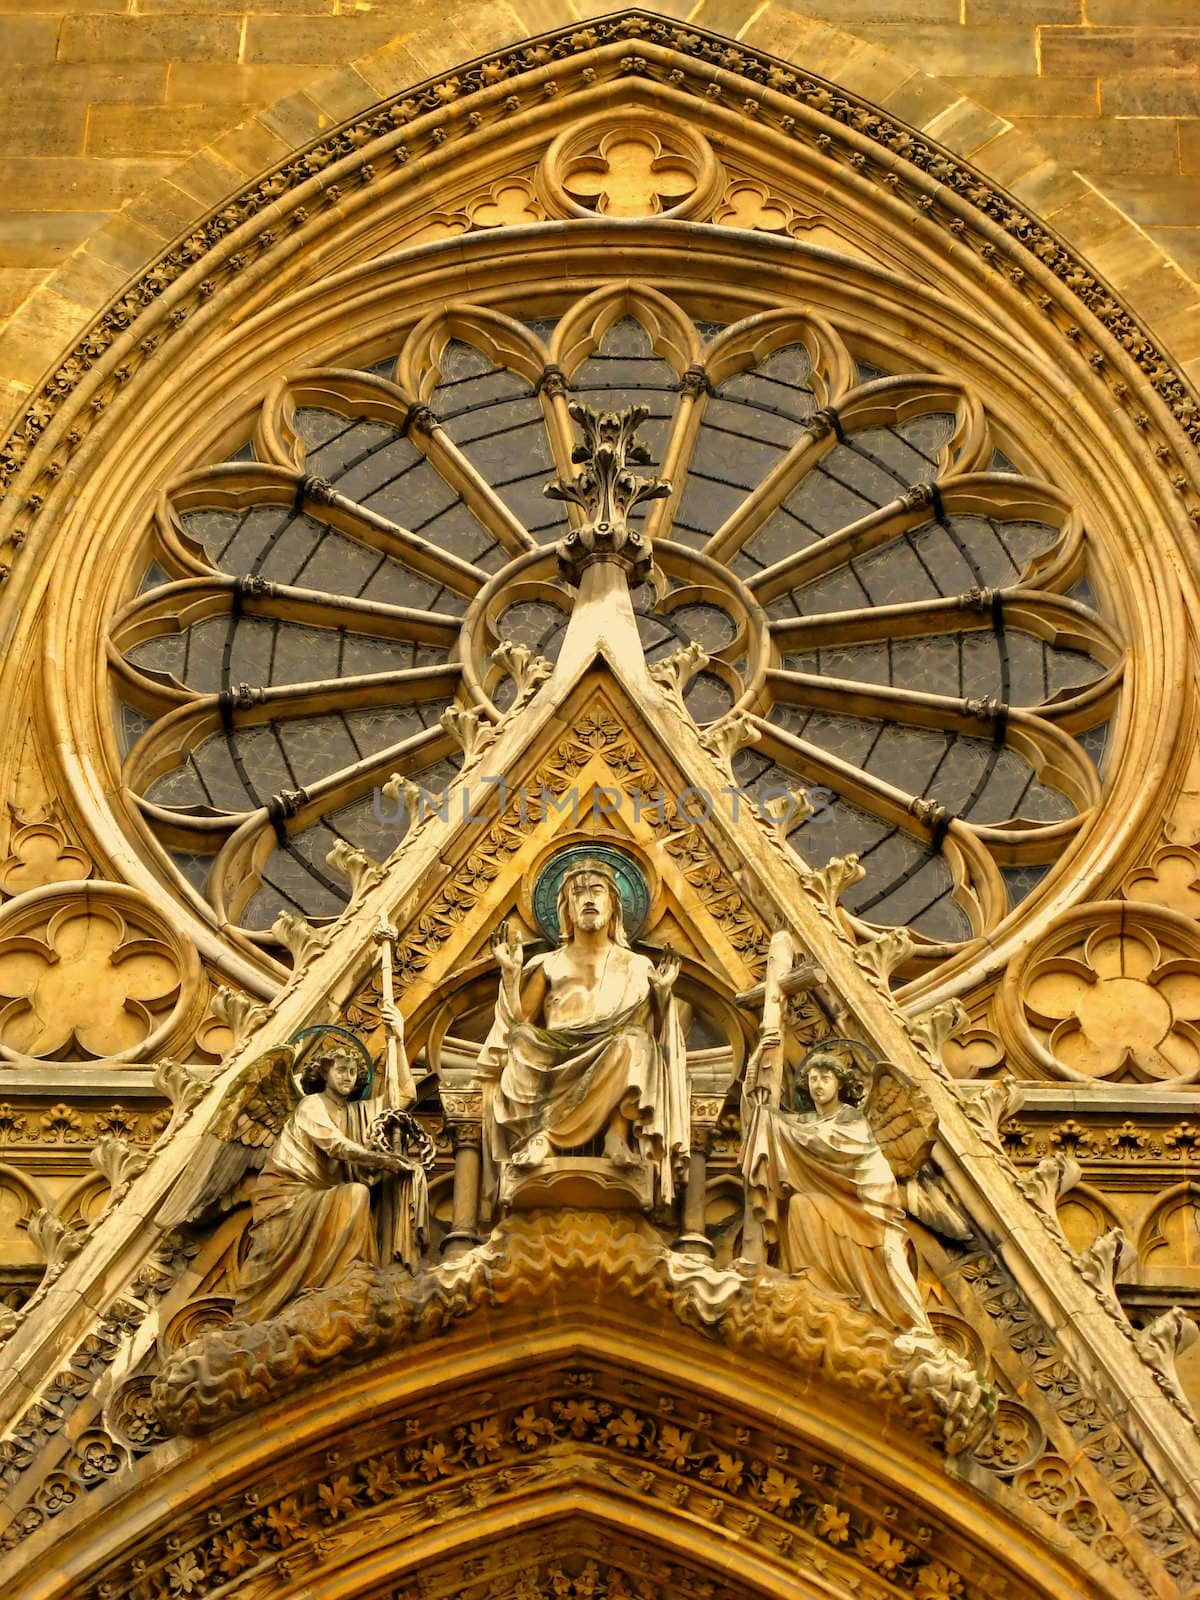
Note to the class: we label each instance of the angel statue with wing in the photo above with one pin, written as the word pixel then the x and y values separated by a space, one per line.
pixel 321 1132
pixel 824 1184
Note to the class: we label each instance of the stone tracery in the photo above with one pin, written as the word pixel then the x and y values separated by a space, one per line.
pixel 907 547
pixel 453 895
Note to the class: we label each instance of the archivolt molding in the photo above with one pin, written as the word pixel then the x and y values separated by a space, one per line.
pixel 604 1409
pixel 847 131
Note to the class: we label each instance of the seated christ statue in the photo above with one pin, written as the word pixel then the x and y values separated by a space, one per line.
pixel 587 1043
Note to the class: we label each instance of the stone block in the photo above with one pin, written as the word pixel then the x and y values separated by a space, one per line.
pixel 868 69
pixel 166 208
pixel 1156 201
pixel 250 148
pixel 202 82
pixel 1010 157
pixel 965 127
pixel 781 32
pixel 985 52
pixel 47 324
pixel 1156 293
pixel 483 29
pixel 1038 13
pixel 1189 147
pixel 216 8
pixel 316 39
pixel 74 183
pixel 1175 96
pixel 538 16
pixel 28 39
pixel 918 99
pixel 1183 247
pixel 208 178
pixel 117 39
pixel 16 285
pixel 96 83
pixel 1148 14
pixel 126 243
pixel 1180 333
pixel 89 280
pixel 49 126
pixel 390 70
pixel 296 120
pixel 1033 97
pixel 1100 52
pixel 871 11
pixel 1047 188
pixel 42 238
pixel 1126 257
pixel 343 93
pixel 1089 220
pixel 1131 144
pixel 154 130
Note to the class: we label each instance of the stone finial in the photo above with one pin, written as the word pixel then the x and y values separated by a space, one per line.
pixel 403 791
pixel 881 955
pixel 184 1086
pixel 119 1161
pixel 829 883
pixel 527 671
pixel 353 864
pixel 59 1242
pixel 240 1014
pixel 1106 1261
pixel 469 730
pixel 990 1106
pixel 725 738
pixel 674 672
pixel 787 811
pixel 297 936
pixel 1049 1181
pixel 607 491
pixel 933 1027
pixel 1160 1342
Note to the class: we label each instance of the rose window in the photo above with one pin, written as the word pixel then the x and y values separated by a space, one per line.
pixel 881 575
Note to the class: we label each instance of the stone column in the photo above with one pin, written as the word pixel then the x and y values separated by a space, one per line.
pixel 467 1139
pixel 694 1241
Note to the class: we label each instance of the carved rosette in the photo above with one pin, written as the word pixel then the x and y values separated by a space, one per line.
pixel 1111 993
pixel 93 970
pixel 627 164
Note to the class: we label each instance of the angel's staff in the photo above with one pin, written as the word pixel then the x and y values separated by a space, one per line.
pixel 403 1207
pixel 764 1072
pixel 763 1083
pixel 399 1088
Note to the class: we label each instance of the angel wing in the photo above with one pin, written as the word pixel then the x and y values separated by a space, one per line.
pixel 247 1123
pixel 902 1118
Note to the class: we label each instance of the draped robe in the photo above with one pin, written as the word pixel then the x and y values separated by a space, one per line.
pixel 825 1192
pixel 567 1081
pixel 311 1215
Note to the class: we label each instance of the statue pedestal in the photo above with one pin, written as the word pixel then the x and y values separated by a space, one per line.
pixel 588 1182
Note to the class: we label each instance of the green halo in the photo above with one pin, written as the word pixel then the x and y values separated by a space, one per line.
pixel 635 891
pixel 306 1039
